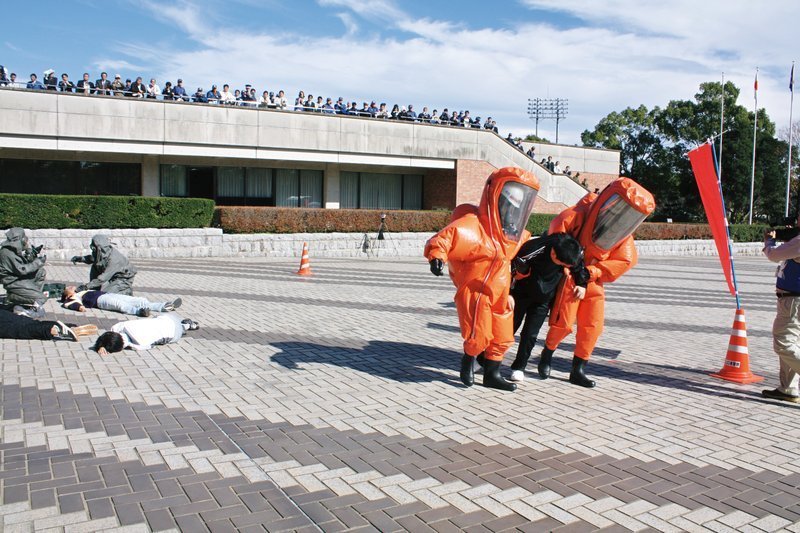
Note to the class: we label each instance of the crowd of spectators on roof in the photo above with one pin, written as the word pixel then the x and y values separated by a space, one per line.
pixel 246 97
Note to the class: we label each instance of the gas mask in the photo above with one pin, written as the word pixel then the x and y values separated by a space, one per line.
pixel 514 206
pixel 616 220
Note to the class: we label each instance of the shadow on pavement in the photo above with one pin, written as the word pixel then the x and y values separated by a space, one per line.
pixel 399 361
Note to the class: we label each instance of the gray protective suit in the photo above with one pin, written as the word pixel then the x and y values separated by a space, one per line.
pixel 111 271
pixel 22 270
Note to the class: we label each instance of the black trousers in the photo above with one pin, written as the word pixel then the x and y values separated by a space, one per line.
pixel 534 314
pixel 21 327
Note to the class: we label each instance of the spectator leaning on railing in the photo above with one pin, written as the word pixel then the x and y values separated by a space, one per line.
pixel 168 93
pixel 153 90
pixel 117 87
pixel 35 84
pixel 248 97
pixel 66 86
pixel 50 81
pixel 85 85
pixel 103 85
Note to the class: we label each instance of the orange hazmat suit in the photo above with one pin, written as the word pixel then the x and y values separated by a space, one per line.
pixel 478 247
pixel 604 226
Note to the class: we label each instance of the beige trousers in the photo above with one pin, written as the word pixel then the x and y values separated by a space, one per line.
pixel 786 342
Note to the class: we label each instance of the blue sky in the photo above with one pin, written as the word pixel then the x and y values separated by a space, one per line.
pixel 488 57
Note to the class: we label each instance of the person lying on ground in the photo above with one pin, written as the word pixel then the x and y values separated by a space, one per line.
pixel 76 300
pixel 13 326
pixel 144 334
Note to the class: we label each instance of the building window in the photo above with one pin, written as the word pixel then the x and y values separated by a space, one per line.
pixel 34 176
pixel 298 188
pixel 230 182
pixel 369 190
pixel 259 183
pixel 173 180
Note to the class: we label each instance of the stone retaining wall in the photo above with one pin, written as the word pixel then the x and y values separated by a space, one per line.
pixel 211 242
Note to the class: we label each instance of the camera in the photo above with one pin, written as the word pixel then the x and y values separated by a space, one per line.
pixel 786 233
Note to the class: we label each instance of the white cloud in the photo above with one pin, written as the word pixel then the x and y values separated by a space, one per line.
pixel 623 53
pixel 349 23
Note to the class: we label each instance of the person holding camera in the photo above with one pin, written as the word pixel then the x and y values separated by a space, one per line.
pixel 786 327
pixel 22 273
pixel 111 271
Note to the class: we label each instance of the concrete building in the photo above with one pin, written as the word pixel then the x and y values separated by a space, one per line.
pixel 75 144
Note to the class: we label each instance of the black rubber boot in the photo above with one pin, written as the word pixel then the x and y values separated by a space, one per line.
pixel 493 379
pixel 481 360
pixel 467 372
pixel 544 363
pixel 577 376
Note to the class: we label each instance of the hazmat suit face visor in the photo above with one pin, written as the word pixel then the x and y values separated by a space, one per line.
pixel 514 207
pixel 615 221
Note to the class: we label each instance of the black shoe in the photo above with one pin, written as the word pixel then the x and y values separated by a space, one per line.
pixel 143 312
pixel 64 332
pixel 775 394
pixel 467 370
pixel 173 305
pixel 493 379
pixel 577 376
pixel 544 363
pixel 191 325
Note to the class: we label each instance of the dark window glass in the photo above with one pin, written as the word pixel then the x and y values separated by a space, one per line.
pixel 34 176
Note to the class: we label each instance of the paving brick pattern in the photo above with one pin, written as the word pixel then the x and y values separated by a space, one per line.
pixel 333 403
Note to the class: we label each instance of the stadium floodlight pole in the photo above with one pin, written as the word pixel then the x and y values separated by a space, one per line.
pixel 547 108
pixel 561 112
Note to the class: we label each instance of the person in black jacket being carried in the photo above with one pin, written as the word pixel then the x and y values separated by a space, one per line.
pixel 538 269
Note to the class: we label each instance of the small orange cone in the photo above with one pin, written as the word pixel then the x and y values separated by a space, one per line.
pixel 737 360
pixel 305 264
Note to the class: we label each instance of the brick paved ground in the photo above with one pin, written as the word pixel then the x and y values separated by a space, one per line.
pixel 333 403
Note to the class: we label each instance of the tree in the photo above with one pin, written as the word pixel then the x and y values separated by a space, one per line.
pixel 534 139
pixel 654 144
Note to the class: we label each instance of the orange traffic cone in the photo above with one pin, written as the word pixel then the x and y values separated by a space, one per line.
pixel 737 360
pixel 305 264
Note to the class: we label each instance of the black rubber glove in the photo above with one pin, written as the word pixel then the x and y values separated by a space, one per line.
pixel 520 266
pixel 82 288
pixel 76 259
pixel 437 267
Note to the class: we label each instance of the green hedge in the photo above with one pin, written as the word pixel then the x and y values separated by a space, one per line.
pixel 37 211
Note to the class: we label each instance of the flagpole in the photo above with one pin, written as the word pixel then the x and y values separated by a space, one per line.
pixel 755 129
pixel 789 165
pixel 730 241
pixel 721 127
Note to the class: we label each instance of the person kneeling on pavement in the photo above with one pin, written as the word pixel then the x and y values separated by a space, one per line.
pixel 21 327
pixel 76 300
pixel 538 268
pixel 144 334
pixel 111 271
pixel 22 273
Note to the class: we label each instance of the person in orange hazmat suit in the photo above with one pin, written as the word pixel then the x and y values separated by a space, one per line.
pixel 478 246
pixel 603 224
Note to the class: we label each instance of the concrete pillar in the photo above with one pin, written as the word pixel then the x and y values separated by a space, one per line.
pixel 151 181
pixel 331 192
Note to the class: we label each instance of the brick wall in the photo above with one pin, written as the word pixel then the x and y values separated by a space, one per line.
pixel 543 206
pixel 596 181
pixel 472 176
pixel 439 189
